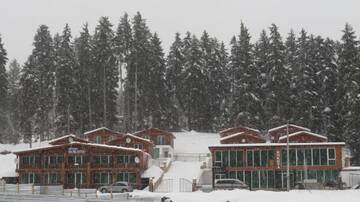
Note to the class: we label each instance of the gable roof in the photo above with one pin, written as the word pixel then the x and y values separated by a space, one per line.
pixel 99 129
pixel 239 127
pixel 78 143
pixel 290 125
pixel 301 132
pixel 132 136
pixel 240 134
pixel 137 133
pixel 75 138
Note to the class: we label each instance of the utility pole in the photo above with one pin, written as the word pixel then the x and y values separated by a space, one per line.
pixel 287 159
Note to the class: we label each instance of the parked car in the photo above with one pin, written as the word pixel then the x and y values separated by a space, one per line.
pixel 356 186
pixel 116 187
pixel 230 184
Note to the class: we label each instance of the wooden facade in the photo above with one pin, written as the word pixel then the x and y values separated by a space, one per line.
pixel 247 130
pixel 157 136
pixel 101 135
pixel 132 141
pixel 79 164
pixel 260 161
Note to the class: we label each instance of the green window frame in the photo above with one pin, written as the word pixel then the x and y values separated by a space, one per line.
pixel 316 156
pixel 308 157
pixel 292 154
pixel 324 157
pixel 233 158
pixel 249 158
pixel 300 157
pixel 225 158
pixel 264 158
pixel 239 158
pixel 257 158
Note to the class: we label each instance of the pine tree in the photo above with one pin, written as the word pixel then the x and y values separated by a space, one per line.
pixel 83 74
pixel 174 68
pixel 123 46
pixel 278 77
pixel 14 101
pixel 245 99
pixel 347 105
pixel 3 90
pixel 105 75
pixel 65 91
pixel 261 62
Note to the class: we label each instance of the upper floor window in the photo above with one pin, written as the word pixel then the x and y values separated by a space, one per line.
pixel 139 146
pixel 98 139
pixel 161 140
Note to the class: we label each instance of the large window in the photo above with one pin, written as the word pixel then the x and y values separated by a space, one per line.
pixel 264 158
pixel 52 178
pixel 102 178
pixel 125 159
pixel 239 158
pixel 300 157
pixel 102 159
pixel 308 157
pixel 256 158
pixel 30 178
pixel 292 154
pixel 332 157
pixel 126 177
pixel 225 158
pixel 249 158
pixel 323 154
pixel 233 158
pixel 161 140
pixel 316 157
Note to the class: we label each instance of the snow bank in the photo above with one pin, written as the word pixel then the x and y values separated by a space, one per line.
pixel 258 196
pixel 153 171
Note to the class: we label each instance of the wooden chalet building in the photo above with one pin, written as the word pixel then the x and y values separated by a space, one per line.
pixel 101 135
pixel 132 141
pixel 260 161
pixel 163 140
pixel 75 162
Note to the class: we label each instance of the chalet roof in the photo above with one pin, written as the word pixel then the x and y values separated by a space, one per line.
pixel 78 143
pixel 67 136
pixel 268 144
pixel 290 125
pixel 153 129
pixel 98 129
pixel 302 132
pixel 231 136
pixel 247 128
pixel 133 136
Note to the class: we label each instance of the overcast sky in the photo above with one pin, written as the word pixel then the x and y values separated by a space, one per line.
pixel 20 19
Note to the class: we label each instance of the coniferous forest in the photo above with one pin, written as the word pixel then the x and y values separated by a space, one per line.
pixel 120 77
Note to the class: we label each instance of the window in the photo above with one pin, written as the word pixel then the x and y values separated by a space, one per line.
pixel 270 157
pixel 98 140
pixel 331 156
pixel 239 158
pixel 323 154
pixel 256 158
pixel 139 146
pixel 225 158
pixel 124 159
pixel 102 178
pixel 264 158
pixel 255 179
pixel 316 157
pixel 126 177
pixel 232 158
pixel 161 140
pixel 30 178
pixel 249 158
pixel 300 157
pixel 292 154
pixel 271 178
pixel 263 179
pixel 240 175
pixel 283 157
pixel 308 159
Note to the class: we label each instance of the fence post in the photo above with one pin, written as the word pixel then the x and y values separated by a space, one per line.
pixel 96 193
pixel 151 184
pixel 193 185
pixel 18 188
pixel 63 190
pixel 111 193
pixel 32 189
pixel 79 192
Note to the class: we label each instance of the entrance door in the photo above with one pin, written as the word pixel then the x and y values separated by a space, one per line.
pixel 156 153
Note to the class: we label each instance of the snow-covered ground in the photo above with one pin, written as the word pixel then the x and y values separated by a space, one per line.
pixel 259 196
pixel 194 142
pixel 8 161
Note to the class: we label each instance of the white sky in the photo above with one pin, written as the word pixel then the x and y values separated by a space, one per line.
pixel 19 19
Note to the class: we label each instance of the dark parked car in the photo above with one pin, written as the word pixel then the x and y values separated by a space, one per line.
pixel 230 184
pixel 116 187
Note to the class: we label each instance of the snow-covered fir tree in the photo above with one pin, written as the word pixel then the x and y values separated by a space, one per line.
pixel 3 91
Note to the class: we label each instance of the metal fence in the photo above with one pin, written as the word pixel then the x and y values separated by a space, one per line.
pixel 192 157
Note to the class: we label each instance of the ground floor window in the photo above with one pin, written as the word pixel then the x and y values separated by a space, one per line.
pixel 102 178
pixel 77 178
pixel 126 177
pixel 30 178
pixel 52 178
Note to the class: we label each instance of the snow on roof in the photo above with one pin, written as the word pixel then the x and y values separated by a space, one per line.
pixel 278 144
pixel 64 137
pixel 290 125
pixel 352 168
pixel 133 136
pixel 231 136
pixel 248 128
pixel 97 129
pixel 300 132
pixel 79 143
